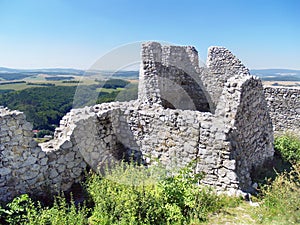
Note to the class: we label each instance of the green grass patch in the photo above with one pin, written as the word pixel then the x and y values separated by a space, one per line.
pixel 23 210
pixel 109 90
pixel 15 87
pixel 240 213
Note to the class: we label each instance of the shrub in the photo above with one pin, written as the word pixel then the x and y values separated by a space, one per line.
pixel 137 195
pixel 22 210
pixel 128 194
pixel 16 211
pixel 288 146
pixel 61 212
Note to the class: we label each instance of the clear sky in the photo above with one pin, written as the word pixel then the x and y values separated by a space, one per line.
pixel 75 33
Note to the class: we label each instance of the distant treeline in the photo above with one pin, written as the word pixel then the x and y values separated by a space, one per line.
pixel 71 81
pixel 13 82
pixel 126 74
pixel 283 85
pixel 13 76
pixel 59 78
pixel 43 106
pixel 113 83
pixel 3 91
pixel 41 84
pixel 114 74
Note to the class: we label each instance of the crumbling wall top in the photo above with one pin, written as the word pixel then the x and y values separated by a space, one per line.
pixel 169 76
pixel 221 65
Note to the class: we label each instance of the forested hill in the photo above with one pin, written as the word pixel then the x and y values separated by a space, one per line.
pixel 45 106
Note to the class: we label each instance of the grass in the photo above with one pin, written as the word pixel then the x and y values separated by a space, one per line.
pixel 289 147
pixel 15 87
pixel 137 195
pixel 109 90
pixel 238 214
pixel 281 200
pixel 280 194
pixel 279 203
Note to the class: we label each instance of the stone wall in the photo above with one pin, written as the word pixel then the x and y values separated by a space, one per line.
pixel 169 76
pixel 284 108
pixel 25 168
pixel 22 165
pixel 215 115
pixel 221 65
pixel 251 135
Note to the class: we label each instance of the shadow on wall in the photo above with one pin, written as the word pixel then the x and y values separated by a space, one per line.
pixel 128 155
pixel 179 90
pixel 115 142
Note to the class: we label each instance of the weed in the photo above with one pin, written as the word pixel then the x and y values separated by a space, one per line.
pixel 281 199
pixel 288 146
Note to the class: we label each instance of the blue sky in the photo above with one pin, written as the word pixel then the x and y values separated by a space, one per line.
pixel 75 33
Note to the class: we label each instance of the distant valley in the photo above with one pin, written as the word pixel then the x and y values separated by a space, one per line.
pixel 19 74
pixel 45 95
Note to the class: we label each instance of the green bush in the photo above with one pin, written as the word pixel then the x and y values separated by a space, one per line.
pixel 136 195
pixel 23 210
pixel 288 146
pixel 16 211
pixel 61 213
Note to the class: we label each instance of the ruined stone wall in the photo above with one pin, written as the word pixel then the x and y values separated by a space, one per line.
pixel 221 65
pixel 217 116
pixel 284 108
pixel 169 77
pixel 117 130
pixel 22 164
pixel 150 133
pixel 243 105
pixel 25 168
pixel 226 145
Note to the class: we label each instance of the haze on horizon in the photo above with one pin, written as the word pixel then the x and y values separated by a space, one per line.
pixel 75 34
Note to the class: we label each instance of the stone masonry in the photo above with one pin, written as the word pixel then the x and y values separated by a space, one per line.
pixel 284 108
pixel 216 116
pixel 26 168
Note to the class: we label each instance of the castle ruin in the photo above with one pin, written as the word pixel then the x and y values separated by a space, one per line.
pixel 217 116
